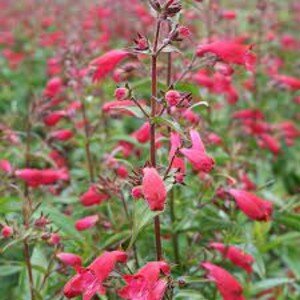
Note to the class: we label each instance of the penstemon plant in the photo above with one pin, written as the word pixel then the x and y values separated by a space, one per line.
pixel 151 195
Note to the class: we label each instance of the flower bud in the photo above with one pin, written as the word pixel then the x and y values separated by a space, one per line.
pixel 7 231
pixel 172 97
pixel 121 93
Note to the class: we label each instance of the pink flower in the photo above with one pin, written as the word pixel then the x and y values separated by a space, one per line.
pixel 107 62
pixel 251 205
pixel 248 114
pixel 92 196
pixel 121 93
pixel 88 281
pixel 228 286
pixel 172 97
pixel 5 166
pixel 143 133
pixel 7 231
pixel 146 283
pixel 62 134
pixel 214 139
pixel 269 142
pixel 197 155
pixel 178 162
pixel 288 82
pixel 230 52
pixel 36 177
pixel 137 192
pixel 235 255
pixel 53 87
pixel 86 222
pixel 122 171
pixel 154 189
pixel 70 259
pixel 54 239
pixel 53 118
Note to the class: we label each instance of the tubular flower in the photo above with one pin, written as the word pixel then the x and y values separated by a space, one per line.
pixel 86 222
pixel 146 283
pixel 53 87
pixel 230 52
pixel 5 166
pixel 288 82
pixel 251 205
pixel 53 118
pixel 106 63
pixel 92 196
pixel 143 133
pixel 269 142
pixel 228 286
pixel 235 255
pixel 154 189
pixel 197 155
pixel 62 135
pixel 89 281
pixel 70 259
pixel 36 177
pixel 178 162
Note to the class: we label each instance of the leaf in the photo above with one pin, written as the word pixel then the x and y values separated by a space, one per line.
pixel 269 283
pixel 142 216
pixel 199 104
pixel 170 49
pixel 136 111
pixel 189 295
pixel 289 220
pixel 116 238
pixel 9 270
pixel 174 125
pixel 64 223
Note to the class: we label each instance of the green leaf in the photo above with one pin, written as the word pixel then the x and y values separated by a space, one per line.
pixel 189 295
pixel 142 216
pixel 289 220
pixel 9 270
pixel 269 283
pixel 170 123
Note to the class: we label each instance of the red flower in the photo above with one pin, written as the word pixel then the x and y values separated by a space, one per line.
pixel 70 259
pixel 7 231
pixel 228 286
pixel 236 255
pixel 90 280
pixel 137 192
pixel 92 196
pixel 197 155
pixel 154 189
pixel 62 134
pixel 172 97
pixel 86 222
pixel 36 177
pixel 106 63
pixel 288 82
pixel 143 133
pixel 248 114
pixel 251 205
pixel 146 283
pixel 269 142
pixel 53 87
pixel 53 118
pixel 5 166
pixel 230 52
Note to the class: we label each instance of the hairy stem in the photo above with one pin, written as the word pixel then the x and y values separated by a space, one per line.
pixel 87 142
pixel 27 208
pixel 152 131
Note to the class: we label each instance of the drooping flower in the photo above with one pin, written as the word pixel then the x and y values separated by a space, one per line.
pixel 86 222
pixel 269 142
pixel 62 134
pixel 143 133
pixel 53 118
pixel 197 155
pixel 53 87
pixel 177 161
pixel 89 281
pixel 251 205
pixel 146 283
pixel 37 177
pixel 107 62
pixel 70 259
pixel 236 255
pixel 230 52
pixel 92 196
pixel 154 189
pixel 5 166
pixel 228 286
pixel 288 82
